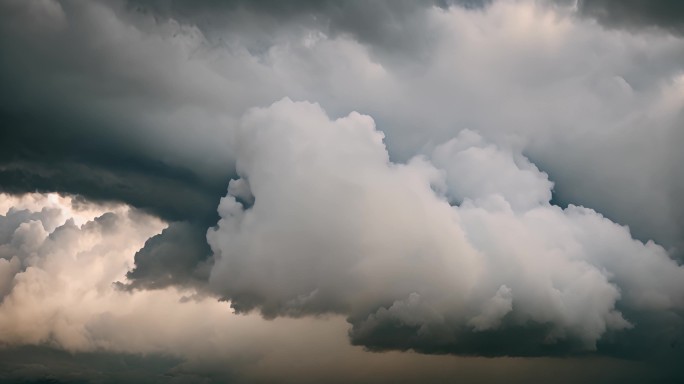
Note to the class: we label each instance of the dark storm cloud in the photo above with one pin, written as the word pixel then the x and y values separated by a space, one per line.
pixel 172 193
pixel 659 337
pixel 104 171
pixel 81 110
pixel 384 24
pixel 667 15
pixel 171 258
pixel 138 102
pixel 69 121
pixel 58 136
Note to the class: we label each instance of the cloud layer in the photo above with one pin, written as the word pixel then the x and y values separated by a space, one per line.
pixel 60 296
pixel 465 177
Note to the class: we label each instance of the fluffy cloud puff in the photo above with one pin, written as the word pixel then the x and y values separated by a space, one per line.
pixel 51 264
pixel 60 261
pixel 321 221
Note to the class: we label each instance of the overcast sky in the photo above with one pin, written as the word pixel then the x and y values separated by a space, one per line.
pixel 341 191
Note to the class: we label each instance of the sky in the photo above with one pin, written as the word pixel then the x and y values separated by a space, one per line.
pixel 371 191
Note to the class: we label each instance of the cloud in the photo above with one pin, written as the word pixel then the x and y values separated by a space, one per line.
pixel 122 101
pixel 634 14
pixel 336 227
pixel 59 265
pixel 64 320
pixel 62 296
pixel 490 113
pixel 170 258
pixel 389 27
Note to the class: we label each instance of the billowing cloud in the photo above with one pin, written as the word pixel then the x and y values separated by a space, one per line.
pixel 331 225
pixel 509 184
pixel 139 104
pixel 64 320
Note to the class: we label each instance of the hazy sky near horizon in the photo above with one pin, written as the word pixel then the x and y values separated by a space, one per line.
pixel 341 191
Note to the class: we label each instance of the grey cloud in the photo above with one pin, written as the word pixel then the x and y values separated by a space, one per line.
pixel 99 334
pixel 121 104
pixel 171 258
pixel 349 232
pixel 667 15
pixel 77 121
pixel 389 26
pixel 138 102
